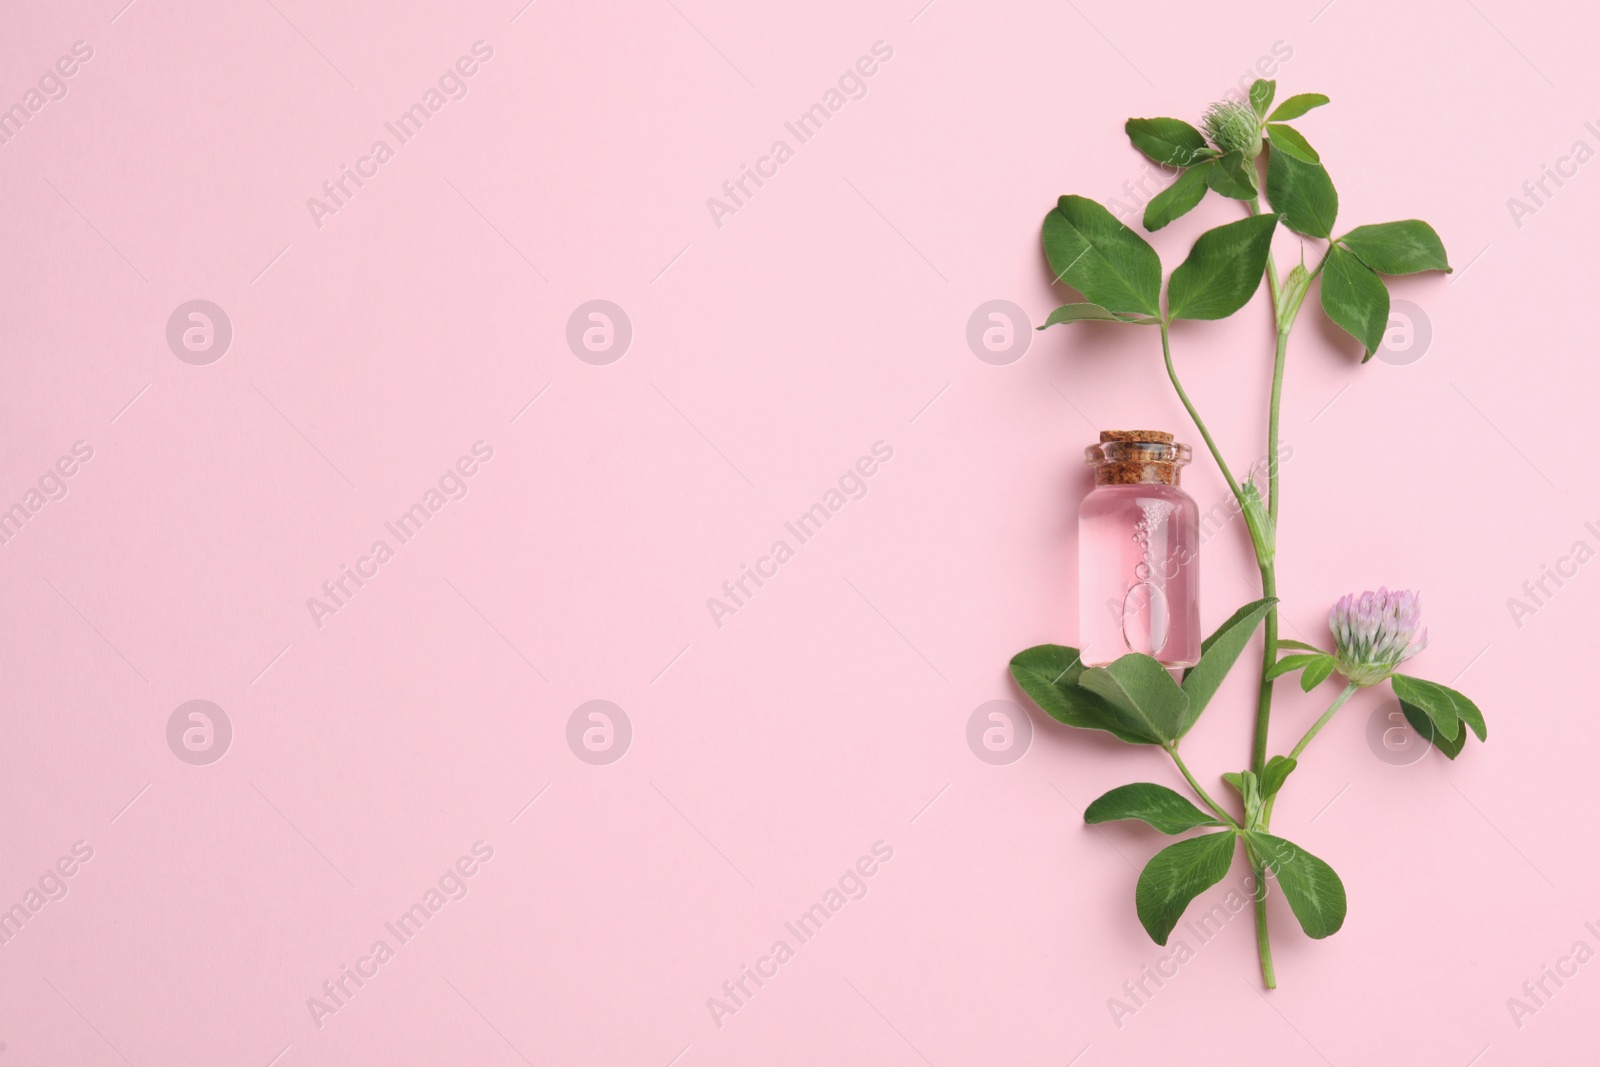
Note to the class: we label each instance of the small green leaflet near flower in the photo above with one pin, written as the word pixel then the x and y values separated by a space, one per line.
pixel 1314 892
pixel 1288 140
pixel 1275 774
pixel 1317 673
pixel 1233 177
pixel 1090 250
pixel 1437 712
pixel 1170 142
pixel 1156 805
pixel 1352 293
pixel 1296 106
pixel 1143 691
pixel 1304 194
pixel 1177 145
pixel 1218 654
pixel 1090 313
pixel 1261 94
pixel 1179 198
pixel 1404 247
pixel 1297 662
pixel 1434 701
pixel 1355 299
pixel 1223 270
pixel 1176 875
pixel 1049 674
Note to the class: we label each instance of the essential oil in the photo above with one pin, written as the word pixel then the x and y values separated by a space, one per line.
pixel 1138 552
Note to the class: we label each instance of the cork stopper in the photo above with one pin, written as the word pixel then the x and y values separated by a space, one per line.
pixel 1136 457
pixel 1159 437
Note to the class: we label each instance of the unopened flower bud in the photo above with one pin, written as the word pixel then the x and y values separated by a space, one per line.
pixel 1233 127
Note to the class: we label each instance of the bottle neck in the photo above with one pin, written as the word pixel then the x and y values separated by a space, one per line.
pixel 1136 457
pixel 1136 472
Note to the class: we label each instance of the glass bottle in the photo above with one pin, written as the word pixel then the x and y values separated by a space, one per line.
pixel 1138 552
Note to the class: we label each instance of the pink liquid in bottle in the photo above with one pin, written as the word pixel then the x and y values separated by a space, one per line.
pixel 1138 553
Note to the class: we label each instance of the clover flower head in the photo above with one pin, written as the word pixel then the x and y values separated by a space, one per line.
pixel 1233 127
pixel 1373 633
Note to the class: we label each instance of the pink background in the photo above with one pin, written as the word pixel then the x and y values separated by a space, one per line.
pixel 768 354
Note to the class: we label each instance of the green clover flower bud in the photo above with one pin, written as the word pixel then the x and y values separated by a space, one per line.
pixel 1233 127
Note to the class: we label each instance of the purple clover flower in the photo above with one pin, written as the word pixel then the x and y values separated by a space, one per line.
pixel 1373 633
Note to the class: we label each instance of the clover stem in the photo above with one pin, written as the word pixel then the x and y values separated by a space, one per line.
pixel 1269 657
pixel 1172 750
pixel 1269 977
pixel 1216 454
pixel 1283 319
pixel 1269 574
pixel 1316 727
pixel 1272 423
pixel 1338 702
